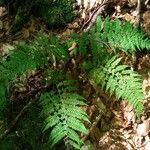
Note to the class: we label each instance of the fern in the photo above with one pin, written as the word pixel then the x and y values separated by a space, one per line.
pixel 46 47
pixel 121 80
pixel 28 57
pixel 113 77
pixel 82 42
pixel 62 106
pixel 64 115
pixel 17 64
pixel 120 35
pixel 25 57
pixel 56 13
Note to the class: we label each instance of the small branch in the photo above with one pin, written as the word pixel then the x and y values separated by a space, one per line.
pixel 89 23
pixel 7 131
pixel 138 16
pixel 92 126
pixel 138 25
pixel 25 108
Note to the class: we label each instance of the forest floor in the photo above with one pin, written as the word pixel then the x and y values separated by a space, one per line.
pixel 114 124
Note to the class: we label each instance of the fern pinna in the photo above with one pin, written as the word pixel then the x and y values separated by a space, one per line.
pixel 63 115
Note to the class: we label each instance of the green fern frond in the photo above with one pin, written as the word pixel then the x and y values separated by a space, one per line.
pixel 39 53
pixel 64 114
pixel 120 35
pixel 122 81
pixel 125 36
pixel 3 102
pixel 54 76
pixel 20 61
pixel 82 41
pixel 83 44
pixel 29 57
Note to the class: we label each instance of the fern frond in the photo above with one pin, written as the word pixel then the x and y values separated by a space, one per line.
pixel 125 36
pixel 20 61
pixel 30 57
pixel 120 35
pixel 122 81
pixel 82 42
pixel 66 116
pixel 3 101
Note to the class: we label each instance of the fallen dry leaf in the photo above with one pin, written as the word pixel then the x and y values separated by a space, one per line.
pixel 25 33
pixel 74 44
pixel 143 128
pixel 2 11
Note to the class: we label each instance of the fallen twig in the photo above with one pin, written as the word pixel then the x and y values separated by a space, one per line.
pixel 7 131
pixel 138 16
pixel 25 108
pixel 138 25
pixel 89 23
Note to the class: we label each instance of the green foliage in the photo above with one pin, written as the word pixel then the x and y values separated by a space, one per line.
pixel 30 128
pixel 82 42
pixel 25 57
pixel 29 57
pixel 54 76
pixel 8 144
pixel 47 49
pixel 15 65
pixel 2 2
pixel 55 12
pixel 62 106
pixel 121 80
pixel 64 114
pixel 28 132
pixel 123 36
pixel 106 70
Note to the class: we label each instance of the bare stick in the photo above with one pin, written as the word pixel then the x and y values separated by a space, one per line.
pixel 138 25
pixel 7 131
pixel 138 16
pixel 25 108
pixel 92 126
pixel 89 23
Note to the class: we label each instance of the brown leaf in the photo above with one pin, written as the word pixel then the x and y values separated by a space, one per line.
pixel 143 128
